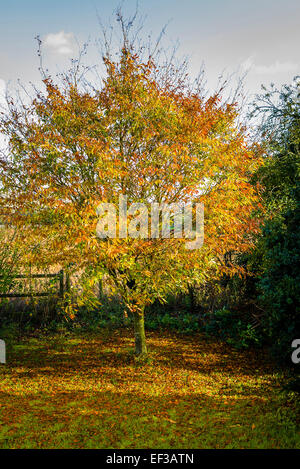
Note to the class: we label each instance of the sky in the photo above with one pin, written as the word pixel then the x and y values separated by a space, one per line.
pixel 261 37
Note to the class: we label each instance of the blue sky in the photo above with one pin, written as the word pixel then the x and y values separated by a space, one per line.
pixel 261 36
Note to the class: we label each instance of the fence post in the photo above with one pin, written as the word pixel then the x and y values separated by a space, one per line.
pixel 100 289
pixel 68 282
pixel 61 283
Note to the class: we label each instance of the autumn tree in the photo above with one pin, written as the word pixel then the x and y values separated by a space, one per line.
pixel 146 134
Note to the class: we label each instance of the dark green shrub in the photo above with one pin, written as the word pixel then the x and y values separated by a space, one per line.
pixel 233 328
pixel 280 282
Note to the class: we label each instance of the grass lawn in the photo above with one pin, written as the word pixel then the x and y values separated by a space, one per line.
pixel 75 391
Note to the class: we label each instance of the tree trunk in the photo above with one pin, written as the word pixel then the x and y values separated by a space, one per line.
pixel 139 334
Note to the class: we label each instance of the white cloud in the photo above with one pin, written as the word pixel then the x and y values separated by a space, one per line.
pixel 60 43
pixel 273 69
pixel 277 67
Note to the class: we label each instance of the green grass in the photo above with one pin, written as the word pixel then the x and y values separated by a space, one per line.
pixel 72 391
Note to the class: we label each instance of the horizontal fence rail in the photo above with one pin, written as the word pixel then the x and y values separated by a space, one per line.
pixel 59 276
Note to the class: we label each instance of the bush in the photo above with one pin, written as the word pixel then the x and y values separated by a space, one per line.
pixel 279 284
pixel 185 323
pixel 232 328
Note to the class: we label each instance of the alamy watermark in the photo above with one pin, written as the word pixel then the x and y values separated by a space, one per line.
pixel 296 353
pixel 2 351
pixel 153 221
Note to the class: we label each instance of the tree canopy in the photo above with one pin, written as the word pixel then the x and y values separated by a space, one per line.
pixel 153 140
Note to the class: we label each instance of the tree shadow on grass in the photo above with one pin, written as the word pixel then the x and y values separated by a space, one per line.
pixel 191 354
pixel 89 392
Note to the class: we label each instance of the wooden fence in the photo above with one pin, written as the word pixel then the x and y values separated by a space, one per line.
pixel 63 283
